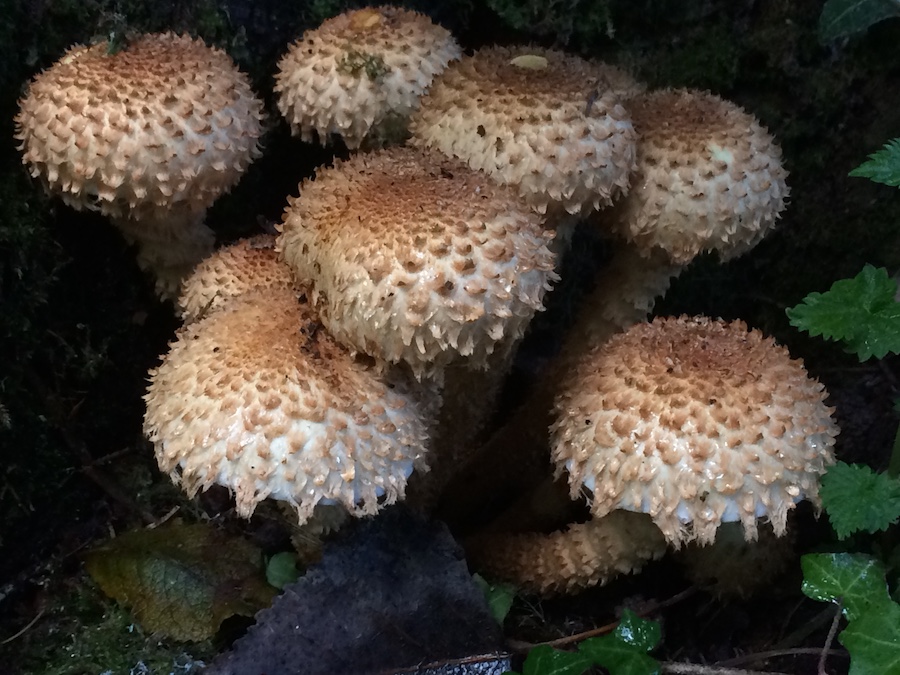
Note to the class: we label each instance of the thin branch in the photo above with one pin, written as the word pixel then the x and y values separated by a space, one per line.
pixel 22 632
pixel 78 449
pixel 763 656
pixel 830 639
pixel 523 647
pixel 700 669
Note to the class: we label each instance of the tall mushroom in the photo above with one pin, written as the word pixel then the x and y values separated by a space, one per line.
pixel 149 136
pixel 692 421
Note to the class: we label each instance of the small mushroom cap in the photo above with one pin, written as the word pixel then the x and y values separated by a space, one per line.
pixel 697 422
pixel 258 398
pixel 167 121
pixel 547 123
pixel 357 69
pixel 248 264
pixel 709 176
pixel 413 257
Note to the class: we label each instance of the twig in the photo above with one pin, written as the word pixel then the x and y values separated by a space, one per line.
pixel 77 448
pixel 447 664
pixel 762 656
pixel 831 633
pixel 522 646
pixel 700 669
pixel 24 630
pixel 806 629
pixel 162 520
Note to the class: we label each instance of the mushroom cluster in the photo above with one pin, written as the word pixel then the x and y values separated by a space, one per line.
pixel 322 366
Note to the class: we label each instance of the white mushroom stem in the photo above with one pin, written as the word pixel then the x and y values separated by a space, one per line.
pixel 170 244
pixel 581 556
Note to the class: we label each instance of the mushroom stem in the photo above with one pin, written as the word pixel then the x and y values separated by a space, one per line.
pixel 514 459
pixel 583 555
pixel 169 246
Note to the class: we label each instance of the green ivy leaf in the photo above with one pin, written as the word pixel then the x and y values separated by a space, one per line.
pixel 845 17
pixel 499 597
pixel 281 569
pixel 860 311
pixel 624 652
pixel 882 166
pixel 857 579
pixel 858 499
pixel 545 660
pixel 873 640
pixel 182 580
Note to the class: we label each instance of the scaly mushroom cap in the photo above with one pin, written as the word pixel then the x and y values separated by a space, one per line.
pixel 166 121
pixel 548 123
pixel 412 256
pixel 231 271
pixel 358 69
pixel 258 398
pixel 696 422
pixel 709 176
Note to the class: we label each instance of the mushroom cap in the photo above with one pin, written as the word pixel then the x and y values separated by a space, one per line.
pixel 358 68
pixel 548 123
pixel 697 422
pixel 413 257
pixel 709 176
pixel 166 121
pixel 246 265
pixel 256 397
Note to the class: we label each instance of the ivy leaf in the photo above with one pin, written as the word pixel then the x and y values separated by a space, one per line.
pixel 281 569
pixel 873 640
pixel 182 580
pixel 882 166
pixel 857 579
pixel 544 660
pixel 858 499
pixel 624 652
pixel 861 312
pixel 845 17
pixel 499 597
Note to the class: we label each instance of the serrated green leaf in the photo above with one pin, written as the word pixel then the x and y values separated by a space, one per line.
pixel 624 652
pixel 182 580
pixel 861 312
pixel 499 597
pixel 845 17
pixel 882 166
pixel 858 499
pixel 545 660
pixel 281 569
pixel 873 640
pixel 857 579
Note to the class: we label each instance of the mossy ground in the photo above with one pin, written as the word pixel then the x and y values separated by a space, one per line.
pixel 80 328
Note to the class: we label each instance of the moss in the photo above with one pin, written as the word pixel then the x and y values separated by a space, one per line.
pixel 564 21
pixel 356 63
pixel 85 633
